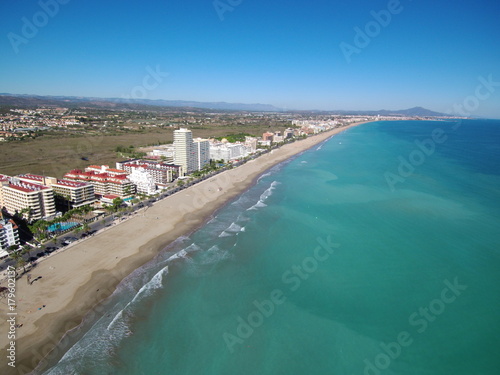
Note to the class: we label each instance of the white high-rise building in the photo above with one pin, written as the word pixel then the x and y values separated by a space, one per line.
pixel 202 147
pixel 185 153
pixel 9 234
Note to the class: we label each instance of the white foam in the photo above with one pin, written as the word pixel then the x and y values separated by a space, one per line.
pixel 180 255
pixel 264 196
pixel 193 247
pixel 156 282
pixel 243 218
pixel 225 234
pixel 269 191
pixel 233 228
pixel 264 175
pixel 102 339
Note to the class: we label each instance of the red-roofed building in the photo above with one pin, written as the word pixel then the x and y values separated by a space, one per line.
pixel 69 194
pixel 106 169
pixel 18 195
pixel 267 136
pixel 104 183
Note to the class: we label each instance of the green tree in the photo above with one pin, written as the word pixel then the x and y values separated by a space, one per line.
pixel 85 227
pixel 14 255
pixel 117 202
pixel 26 250
pixel 21 262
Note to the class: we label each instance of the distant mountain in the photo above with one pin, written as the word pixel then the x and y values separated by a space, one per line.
pixel 417 111
pixel 411 112
pixel 121 103
pixel 33 100
pixel 206 105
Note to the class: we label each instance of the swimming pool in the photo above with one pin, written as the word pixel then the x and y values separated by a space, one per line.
pixel 62 226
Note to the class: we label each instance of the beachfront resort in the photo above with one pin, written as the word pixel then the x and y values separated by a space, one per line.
pixel 36 209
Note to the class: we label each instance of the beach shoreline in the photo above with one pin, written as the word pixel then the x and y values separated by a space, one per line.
pixel 78 281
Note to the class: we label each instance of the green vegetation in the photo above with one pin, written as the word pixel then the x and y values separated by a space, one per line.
pixel 39 227
pixel 213 166
pixel 232 138
pixel 129 152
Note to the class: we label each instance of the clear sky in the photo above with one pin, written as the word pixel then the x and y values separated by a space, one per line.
pixel 285 53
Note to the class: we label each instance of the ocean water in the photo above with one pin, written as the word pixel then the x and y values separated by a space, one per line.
pixel 376 252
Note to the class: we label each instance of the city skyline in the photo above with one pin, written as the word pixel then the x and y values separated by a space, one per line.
pixel 327 56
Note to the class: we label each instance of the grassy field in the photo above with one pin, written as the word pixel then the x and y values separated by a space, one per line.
pixel 56 155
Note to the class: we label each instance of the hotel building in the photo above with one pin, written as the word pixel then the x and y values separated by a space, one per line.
pixel 17 195
pixel 267 136
pixel 105 181
pixel 227 151
pixel 162 173
pixel 68 194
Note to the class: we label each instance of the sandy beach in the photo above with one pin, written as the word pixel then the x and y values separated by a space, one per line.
pixel 76 281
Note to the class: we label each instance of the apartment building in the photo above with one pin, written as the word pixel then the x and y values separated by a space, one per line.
pixel 104 183
pixel 185 153
pixel 162 173
pixel 17 195
pixel 9 234
pixel 68 194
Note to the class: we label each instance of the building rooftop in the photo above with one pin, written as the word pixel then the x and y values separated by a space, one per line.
pixel 96 176
pixel 25 186
pixel 71 183
pixel 33 177
pixel 110 196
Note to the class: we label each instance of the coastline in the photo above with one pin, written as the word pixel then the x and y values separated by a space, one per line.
pixel 76 281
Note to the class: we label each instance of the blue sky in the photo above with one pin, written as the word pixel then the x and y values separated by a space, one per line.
pixel 288 54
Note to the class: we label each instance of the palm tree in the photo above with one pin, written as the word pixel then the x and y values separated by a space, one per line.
pixel 21 262
pixel 85 227
pixel 26 250
pixel 15 255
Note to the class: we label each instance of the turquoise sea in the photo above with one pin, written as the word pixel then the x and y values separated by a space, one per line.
pixel 376 252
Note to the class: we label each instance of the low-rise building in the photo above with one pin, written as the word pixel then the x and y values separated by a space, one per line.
pixel 166 152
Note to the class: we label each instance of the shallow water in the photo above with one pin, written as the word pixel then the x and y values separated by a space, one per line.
pixel 333 263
